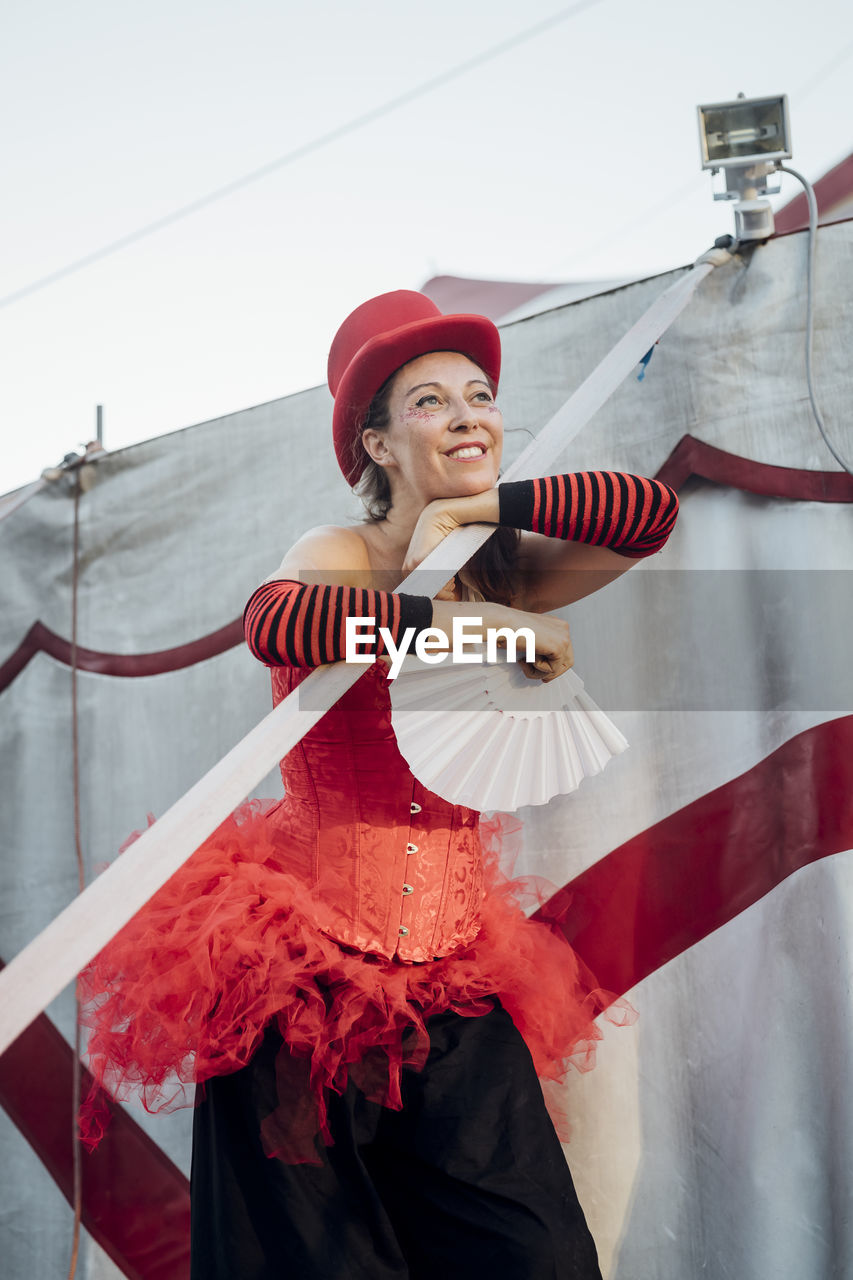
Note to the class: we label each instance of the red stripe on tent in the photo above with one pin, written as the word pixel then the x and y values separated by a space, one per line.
pixel 671 886
pixel 40 639
pixel 136 1203
pixel 692 457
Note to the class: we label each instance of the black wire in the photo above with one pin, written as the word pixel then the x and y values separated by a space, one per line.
pixel 324 140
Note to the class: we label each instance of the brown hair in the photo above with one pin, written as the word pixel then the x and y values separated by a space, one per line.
pixel 490 573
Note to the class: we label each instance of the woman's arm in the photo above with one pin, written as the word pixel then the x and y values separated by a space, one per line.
pixel 581 530
pixel 297 617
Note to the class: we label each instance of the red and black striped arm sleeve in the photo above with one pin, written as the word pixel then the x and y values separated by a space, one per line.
pixel 288 624
pixel 629 514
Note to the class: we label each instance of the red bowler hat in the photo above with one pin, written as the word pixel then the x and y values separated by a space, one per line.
pixel 377 339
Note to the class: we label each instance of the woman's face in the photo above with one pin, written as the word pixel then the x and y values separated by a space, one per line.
pixel 445 433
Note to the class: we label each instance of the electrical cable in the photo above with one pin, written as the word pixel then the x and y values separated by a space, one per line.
pixel 813 221
pixel 368 117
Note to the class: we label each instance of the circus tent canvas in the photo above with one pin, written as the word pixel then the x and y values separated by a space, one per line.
pixel 705 873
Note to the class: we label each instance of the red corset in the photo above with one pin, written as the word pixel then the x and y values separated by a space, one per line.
pixel 397 866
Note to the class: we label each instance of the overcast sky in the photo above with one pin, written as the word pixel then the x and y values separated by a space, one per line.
pixel 569 155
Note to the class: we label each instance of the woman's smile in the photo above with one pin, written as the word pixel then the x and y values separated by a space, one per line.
pixel 467 452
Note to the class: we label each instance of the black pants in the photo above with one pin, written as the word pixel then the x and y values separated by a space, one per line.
pixel 469 1179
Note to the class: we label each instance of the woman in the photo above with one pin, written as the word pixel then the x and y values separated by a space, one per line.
pixel 368 1013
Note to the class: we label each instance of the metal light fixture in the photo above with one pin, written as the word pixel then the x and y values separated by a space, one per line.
pixel 746 138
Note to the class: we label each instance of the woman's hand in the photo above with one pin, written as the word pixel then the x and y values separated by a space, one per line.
pixel 448 591
pixel 554 653
pixel 441 517
pixel 551 637
pixel 435 522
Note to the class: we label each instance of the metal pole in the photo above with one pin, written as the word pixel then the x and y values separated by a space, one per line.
pixel 99 430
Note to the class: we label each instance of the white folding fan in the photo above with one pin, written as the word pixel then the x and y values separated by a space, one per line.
pixel 485 736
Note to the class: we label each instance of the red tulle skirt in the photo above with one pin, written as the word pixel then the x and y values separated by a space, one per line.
pixel 231 944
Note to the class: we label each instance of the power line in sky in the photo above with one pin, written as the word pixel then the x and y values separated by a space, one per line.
pixel 817 80
pixel 324 140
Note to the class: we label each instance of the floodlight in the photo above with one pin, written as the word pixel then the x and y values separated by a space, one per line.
pixel 747 138
pixel 744 132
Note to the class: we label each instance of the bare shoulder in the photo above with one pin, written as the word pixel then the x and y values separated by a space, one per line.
pixel 328 554
pixel 331 540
